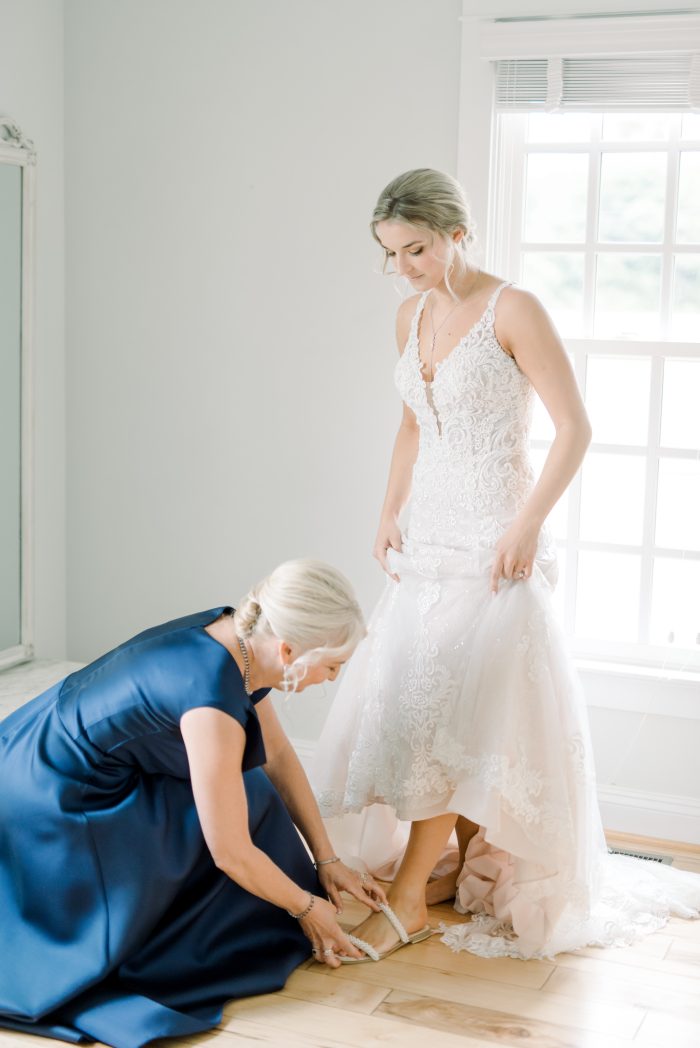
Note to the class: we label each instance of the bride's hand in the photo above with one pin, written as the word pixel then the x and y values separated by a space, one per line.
pixel 388 537
pixel 336 877
pixel 515 553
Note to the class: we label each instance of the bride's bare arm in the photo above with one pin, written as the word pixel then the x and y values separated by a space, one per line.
pixel 525 330
pixel 404 455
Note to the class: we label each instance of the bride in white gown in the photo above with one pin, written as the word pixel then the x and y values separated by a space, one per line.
pixel 461 707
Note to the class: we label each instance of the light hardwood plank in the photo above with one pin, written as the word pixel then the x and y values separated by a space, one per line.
pixel 15 1039
pixel 686 951
pixel 493 1027
pixel 434 954
pixel 670 1031
pixel 619 1020
pixel 614 974
pixel 588 961
pixel 332 1026
pixel 250 1035
pixel 656 945
pixel 652 845
pixel 679 928
pixel 644 995
pixel 314 985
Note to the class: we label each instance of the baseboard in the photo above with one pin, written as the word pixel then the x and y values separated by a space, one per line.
pixel 636 812
pixel 662 815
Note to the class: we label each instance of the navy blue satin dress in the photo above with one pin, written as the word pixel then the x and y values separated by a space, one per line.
pixel 115 924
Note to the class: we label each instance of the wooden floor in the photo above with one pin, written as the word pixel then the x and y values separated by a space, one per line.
pixel 425 996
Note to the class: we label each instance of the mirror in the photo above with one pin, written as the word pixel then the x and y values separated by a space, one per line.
pixel 17 159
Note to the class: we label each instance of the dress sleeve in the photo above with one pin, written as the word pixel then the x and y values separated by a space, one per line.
pixel 221 687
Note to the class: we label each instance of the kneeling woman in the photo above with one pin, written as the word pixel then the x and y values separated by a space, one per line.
pixel 150 868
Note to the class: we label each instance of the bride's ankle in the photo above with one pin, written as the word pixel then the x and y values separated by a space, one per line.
pixel 408 903
pixel 442 889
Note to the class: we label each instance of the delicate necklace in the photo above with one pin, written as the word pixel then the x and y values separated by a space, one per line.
pixel 246 664
pixel 426 364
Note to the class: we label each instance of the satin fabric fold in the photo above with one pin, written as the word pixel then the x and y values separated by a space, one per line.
pixel 116 923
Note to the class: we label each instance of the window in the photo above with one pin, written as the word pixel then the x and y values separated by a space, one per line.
pixel 599 215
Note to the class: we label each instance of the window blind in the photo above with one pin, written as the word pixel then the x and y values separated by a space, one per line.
pixel 652 82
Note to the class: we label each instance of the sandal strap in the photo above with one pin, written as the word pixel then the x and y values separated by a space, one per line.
pixel 365 946
pixel 394 921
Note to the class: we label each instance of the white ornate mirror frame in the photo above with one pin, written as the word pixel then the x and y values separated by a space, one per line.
pixel 16 149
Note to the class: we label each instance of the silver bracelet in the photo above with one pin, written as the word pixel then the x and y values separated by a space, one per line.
pixel 298 916
pixel 325 862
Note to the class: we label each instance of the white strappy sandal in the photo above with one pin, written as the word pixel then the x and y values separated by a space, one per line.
pixel 404 939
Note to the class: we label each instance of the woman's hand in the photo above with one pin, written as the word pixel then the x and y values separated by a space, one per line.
pixel 327 938
pixel 388 537
pixel 515 553
pixel 336 877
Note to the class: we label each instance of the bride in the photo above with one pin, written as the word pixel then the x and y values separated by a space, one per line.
pixel 461 710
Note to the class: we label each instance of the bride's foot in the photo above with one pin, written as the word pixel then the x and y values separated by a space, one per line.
pixel 380 933
pixel 442 889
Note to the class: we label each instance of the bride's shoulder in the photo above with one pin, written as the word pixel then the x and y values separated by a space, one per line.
pixel 516 300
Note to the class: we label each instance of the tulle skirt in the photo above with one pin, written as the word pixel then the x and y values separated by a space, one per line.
pixel 460 701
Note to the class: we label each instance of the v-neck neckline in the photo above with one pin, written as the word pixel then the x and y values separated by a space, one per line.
pixel 428 386
pixel 463 339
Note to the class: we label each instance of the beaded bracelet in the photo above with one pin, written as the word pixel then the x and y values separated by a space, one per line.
pixel 325 862
pixel 298 916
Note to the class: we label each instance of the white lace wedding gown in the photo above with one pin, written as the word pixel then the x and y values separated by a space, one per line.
pixel 458 701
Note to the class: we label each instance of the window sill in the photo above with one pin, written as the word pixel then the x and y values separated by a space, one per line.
pixel 629 669
pixel 657 691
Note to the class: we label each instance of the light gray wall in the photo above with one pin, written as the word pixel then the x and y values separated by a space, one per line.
pixel 230 347
pixel 31 92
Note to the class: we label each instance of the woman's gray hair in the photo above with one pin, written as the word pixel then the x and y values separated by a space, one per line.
pixel 430 200
pixel 309 605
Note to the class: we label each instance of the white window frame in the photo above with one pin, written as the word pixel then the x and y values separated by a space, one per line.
pixel 624 680
pixel 505 244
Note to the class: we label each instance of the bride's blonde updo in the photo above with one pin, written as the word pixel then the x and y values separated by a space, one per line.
pixel 430 200
pixel 309 605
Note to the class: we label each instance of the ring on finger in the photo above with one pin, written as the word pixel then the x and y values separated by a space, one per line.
pixel 520 575
pixel 329 949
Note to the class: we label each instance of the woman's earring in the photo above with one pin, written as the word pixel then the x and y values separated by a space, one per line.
pixel 287 681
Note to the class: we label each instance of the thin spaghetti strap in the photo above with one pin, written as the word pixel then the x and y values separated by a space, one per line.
pixel 494 297
pixel 413 334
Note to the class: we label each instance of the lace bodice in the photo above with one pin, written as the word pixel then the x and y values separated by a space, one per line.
pixel 473 471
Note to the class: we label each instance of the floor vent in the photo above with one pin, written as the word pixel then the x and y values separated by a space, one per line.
pixel 666 859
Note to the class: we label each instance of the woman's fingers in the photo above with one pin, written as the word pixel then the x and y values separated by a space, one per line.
pixel 371 894
pixel 505 567
pixel 496 572
pixel 364 894
pixel 329 957
pixel 378 892
pixel 331 953
pixel 386 540
pixel 347 948
pixel 336 898
pixel 379 553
